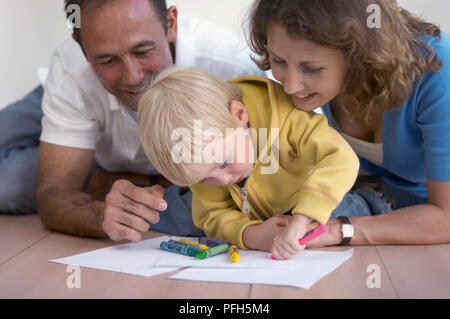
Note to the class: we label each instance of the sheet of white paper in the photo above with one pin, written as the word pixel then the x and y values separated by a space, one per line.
pixel 249 259
pixel 310 267
pixel 137 259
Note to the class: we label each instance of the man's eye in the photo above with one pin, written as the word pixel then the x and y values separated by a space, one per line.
pixel 142 53
pixel 106 62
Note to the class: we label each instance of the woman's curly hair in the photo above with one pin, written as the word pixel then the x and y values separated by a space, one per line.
pixel 384 64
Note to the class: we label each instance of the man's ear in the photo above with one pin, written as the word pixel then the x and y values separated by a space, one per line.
pixel 77 40
pixel 172 23
pixel 74 36
pixel 239 112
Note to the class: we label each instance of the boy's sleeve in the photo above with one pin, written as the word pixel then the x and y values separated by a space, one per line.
pixel 214 211
pixel 332 164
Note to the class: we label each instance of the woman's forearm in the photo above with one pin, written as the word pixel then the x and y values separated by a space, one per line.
pixel 414 225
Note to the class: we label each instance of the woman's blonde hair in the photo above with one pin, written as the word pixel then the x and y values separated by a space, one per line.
pixel 384 64
pixel 176 98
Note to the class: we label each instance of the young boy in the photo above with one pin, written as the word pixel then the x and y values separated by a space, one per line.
pixel 201 131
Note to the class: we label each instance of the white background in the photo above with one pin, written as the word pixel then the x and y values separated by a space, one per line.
pixel 31 29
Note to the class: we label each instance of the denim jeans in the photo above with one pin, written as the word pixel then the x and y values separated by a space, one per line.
pixel 20 129
pixel 363 201
pixel 177 218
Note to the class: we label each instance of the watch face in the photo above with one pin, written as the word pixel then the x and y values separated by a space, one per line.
pixel 347 230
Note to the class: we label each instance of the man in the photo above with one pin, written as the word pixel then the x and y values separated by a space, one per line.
pixel 89 106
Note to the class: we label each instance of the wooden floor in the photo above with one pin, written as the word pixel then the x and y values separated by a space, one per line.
pixel 26 246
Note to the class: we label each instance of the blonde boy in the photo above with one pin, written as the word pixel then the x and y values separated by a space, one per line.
pixel 195 130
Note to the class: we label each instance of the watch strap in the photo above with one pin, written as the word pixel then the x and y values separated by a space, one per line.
pixel 346 236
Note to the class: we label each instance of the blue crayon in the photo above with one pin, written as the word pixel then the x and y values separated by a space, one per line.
pixel 178 249
pixel 212 242
pixel 173 241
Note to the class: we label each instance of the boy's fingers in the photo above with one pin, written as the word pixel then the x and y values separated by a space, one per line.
pixel 282 221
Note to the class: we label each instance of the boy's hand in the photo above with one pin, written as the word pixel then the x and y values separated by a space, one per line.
pixel 285 244
pixel 261 236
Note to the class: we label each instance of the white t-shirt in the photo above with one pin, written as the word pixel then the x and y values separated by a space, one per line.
pixel 370 151
pixel 80 113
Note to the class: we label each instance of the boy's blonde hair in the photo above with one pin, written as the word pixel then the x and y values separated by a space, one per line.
pixel 176 98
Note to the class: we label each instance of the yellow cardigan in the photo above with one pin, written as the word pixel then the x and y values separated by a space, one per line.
pixel 316 168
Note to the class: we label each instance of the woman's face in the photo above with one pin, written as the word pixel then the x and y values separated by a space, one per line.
pixel 312 75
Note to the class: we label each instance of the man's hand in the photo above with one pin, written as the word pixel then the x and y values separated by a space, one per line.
pixel 261 236
pixel 285 243
pixel 129 209
pixel 101 181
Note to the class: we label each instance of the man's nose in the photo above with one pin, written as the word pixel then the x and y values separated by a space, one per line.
pixel 293 82
pixel 133 73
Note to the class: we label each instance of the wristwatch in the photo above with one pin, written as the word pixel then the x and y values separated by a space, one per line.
pixel 346 229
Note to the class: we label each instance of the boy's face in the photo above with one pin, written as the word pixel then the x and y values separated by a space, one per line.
pixel 236 162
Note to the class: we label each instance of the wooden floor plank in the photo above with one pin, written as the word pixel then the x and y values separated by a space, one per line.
pixel 30 275
pixel 18 232
pixel 26 246
pixel 347 281
pixel 418 271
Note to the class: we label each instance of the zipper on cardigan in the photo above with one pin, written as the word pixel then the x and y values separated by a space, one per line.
pixel 245 205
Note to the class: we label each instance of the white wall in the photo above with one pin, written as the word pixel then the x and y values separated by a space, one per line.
pixel 226 13
pixel 436 11
pixel 31 29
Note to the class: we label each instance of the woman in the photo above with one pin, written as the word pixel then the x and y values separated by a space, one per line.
pixel 387 90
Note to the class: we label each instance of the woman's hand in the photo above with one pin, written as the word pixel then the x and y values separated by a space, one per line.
pixel 332 237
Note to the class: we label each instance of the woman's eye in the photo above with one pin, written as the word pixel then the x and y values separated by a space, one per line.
pixel 277 61
pixel 313 71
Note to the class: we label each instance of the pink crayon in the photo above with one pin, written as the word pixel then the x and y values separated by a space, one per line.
pixel 313 233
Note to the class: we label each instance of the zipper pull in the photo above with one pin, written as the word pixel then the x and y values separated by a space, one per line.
pixel 245 205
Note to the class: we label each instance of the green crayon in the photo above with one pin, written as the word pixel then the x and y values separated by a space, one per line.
pixel 212 251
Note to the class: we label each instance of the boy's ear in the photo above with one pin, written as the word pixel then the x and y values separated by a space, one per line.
pixel 239 112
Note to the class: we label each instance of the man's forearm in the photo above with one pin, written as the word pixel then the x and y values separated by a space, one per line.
pixel 71 211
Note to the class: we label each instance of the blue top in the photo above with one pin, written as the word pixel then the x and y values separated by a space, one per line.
pixel 416 136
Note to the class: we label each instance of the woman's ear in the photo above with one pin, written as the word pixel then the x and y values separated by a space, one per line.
pixel 239 112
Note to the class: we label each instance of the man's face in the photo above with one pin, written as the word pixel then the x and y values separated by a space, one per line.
pixel 126 44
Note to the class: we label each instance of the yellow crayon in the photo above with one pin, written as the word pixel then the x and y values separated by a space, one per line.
pixel 234 254
pixel 202 247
